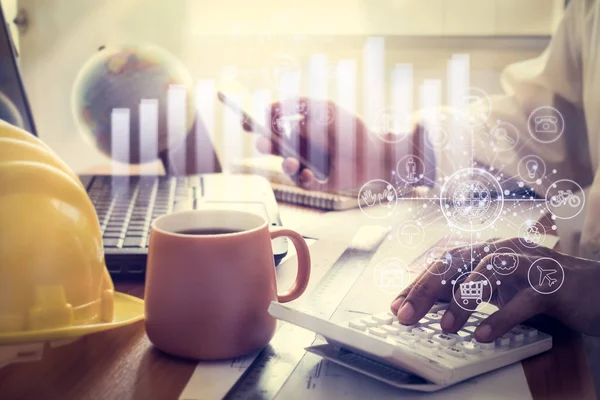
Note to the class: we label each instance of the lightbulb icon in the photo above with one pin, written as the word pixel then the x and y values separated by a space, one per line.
pixel 532 167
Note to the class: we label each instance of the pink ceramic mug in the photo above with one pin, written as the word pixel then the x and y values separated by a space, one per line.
pixel 207 294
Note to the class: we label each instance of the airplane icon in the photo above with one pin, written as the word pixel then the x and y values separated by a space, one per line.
pixel 545 276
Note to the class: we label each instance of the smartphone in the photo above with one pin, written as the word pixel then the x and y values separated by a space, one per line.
pixel 288 139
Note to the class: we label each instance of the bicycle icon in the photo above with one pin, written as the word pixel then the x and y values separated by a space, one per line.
pixel 472 291
pixel 565 197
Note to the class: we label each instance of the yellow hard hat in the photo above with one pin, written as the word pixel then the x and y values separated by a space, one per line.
pixel 9 131
pixel 54 284
pixel 18 150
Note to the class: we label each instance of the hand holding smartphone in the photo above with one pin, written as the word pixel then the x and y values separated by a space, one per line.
pixel 289 129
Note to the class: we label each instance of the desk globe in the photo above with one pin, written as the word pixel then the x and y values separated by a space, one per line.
pixel 121 78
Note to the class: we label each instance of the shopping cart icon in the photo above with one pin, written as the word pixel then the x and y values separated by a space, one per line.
pixel 472 290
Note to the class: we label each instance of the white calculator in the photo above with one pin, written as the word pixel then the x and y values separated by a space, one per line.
pixel 422 356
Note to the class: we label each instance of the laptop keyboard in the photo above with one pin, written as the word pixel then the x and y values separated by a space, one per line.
pixel 127 205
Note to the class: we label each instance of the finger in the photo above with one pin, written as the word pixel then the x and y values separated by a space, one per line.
pixel 524 305
pixel 291 166
pixel 397 302
pixel 263 145
pixel 423 293
pixel 478 287
pixel 307 180
pixel 444 273
pixel 246 125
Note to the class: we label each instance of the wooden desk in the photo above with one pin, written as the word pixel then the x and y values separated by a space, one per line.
pixel 122 364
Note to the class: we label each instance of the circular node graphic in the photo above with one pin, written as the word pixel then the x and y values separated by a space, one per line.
pixel 391 125
pixel 410 169
pixel 282 69
pixel 377 199
pixel 438 261
pixel 324 114
pixel 471 199
pixel 531 168
pixel 545 275
pixel 438 136
pixel 532 234
pixel 476 107
pixel 471 294
pixel 391 275
pixel 505 261
pixel 546 124
pixel 281 123
pixel 565 199
pixel 411 234
pixel 504 136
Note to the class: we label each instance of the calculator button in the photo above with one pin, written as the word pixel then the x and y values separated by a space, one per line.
pixel 423 321
pixel 433 317
pixel 436 327
pixel 429 344
pixel 468 347
pixel 378 332
pixel 517 336
pixel 480 315
pixel 528 331
pixel 385 318
pixel 406 339
pixel 470 329
pixel 461 336
pixel 423 333
pixel 441 312
pixel 503 341
pixel 357 325
pixel 390 330
pixel 486 346
pixel 454 352
pixel 465 334
pixel 403 328
pixel 369 322
pixel 472 321
pixel 443 339
pixel 408 336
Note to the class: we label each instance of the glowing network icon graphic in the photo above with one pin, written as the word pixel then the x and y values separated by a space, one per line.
pixel 471 199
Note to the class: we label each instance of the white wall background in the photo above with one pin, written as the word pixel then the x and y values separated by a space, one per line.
pixel 209 35
pixel 10 12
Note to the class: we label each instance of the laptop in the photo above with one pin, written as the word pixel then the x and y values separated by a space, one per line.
pixel 126 205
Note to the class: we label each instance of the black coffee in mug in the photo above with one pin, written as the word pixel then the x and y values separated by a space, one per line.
pixel 208 231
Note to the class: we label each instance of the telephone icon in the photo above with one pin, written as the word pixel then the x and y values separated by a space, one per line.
pixel 546 124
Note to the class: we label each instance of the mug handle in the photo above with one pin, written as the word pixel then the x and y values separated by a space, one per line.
pixel 303 256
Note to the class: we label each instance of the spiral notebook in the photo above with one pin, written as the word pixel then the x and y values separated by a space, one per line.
pixel 286 191
pixel 321 200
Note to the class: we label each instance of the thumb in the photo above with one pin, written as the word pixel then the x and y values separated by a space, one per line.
pixel 308 181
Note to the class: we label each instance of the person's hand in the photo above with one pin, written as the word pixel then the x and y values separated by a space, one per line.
pixel 322 129
pixel 355 155
pixel 574 303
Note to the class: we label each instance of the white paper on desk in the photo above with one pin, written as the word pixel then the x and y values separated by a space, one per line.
pixel 316 378
pixel 212 380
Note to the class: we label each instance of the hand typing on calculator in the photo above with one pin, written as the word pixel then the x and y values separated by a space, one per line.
pixel 574 303
pixel 427 334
